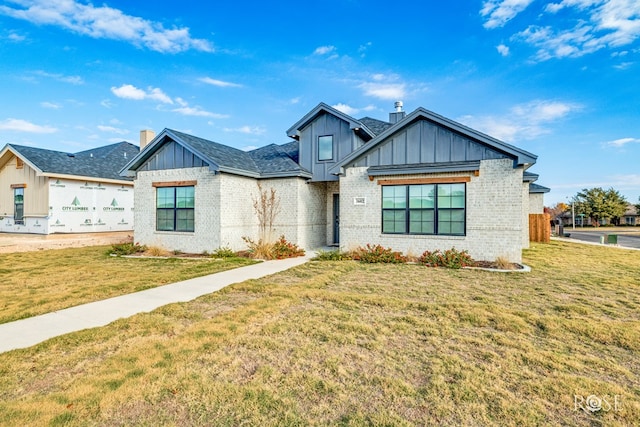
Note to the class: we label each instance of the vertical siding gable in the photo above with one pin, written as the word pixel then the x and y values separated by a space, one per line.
pixel 345 141
pixel 172 156
pixel 426 142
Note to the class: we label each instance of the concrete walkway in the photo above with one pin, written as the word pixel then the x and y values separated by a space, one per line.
pixel 33 330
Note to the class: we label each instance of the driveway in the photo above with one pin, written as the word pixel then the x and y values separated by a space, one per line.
pixel 628 238
pixel 13 242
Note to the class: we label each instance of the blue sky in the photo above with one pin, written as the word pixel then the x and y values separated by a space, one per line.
pixel 559 79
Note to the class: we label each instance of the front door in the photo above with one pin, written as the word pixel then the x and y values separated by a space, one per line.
pixel 336 219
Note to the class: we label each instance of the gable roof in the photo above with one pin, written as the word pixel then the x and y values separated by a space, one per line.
pixel 356 125
pixel 269 161
pixel 97 163
pixel 520 157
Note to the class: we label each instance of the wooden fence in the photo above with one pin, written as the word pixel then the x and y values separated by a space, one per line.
pixel 540 228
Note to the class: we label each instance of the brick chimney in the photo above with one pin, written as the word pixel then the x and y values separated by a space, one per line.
pixel 397 115
pixel 146 136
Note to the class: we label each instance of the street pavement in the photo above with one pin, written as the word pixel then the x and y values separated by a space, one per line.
pixel 625 239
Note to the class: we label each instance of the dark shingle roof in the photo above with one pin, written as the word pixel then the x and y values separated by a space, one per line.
pixel 221 155
pixel 535 188
pixel 274 159
pixel 376 126
pixel 102 162
pixel 269 160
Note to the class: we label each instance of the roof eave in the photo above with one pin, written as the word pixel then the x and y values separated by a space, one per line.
pixel 354 124
pixel 86 178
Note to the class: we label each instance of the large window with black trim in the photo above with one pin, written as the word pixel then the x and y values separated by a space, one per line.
pixel 424 209
pixel 175 208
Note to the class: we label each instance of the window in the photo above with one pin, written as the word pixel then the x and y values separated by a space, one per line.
pixel 175 208
pixel 18 201
pixel 424 209
pixel 325 147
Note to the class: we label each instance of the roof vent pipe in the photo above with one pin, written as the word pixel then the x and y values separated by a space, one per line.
pixel 397 115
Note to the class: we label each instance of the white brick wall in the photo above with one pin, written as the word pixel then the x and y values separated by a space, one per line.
pixel 207 230
pixel 494 214
pixel 224 211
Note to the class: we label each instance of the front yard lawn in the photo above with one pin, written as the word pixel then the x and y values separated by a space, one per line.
pixel 344 343
pixel 33 283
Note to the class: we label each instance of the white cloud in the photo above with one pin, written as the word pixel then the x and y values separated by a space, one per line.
pixel 622 142
pixel 219 83
pixel 249 148
pixel 249 130
pixel 386 91
pixel 198 112
pixel 362 50
pixel 51 105
pixel 324 50
pixel 18 125
pixel 601 24
pixel 15 37
pixel 104 22
pixel 503 49
pixel 349 110
pixel 75 80
pixel 106 103
pixel 499 12
pixel 127 91
pixel 112 129
pixel 524 121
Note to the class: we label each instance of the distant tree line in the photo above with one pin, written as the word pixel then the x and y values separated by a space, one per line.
pixel 597 204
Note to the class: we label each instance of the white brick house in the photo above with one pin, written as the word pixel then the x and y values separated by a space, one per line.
pixel 417 182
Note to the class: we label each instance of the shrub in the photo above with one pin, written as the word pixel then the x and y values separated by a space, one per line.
pixel 335 255
pixel 378 254
pixel 127 249
pixel 156 251
pixel 283 249
pixel 451 258
pixel 223 252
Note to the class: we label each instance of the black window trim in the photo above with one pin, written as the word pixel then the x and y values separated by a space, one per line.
pixel 332 148
pixel 175 209
pixel 435 210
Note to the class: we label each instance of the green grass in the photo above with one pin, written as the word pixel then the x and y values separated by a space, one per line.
pixel 33 283
pixel 344 343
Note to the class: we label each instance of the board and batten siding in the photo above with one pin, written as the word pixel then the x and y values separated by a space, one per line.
pixel 426 142
pixel 345 141
pixel 172 156
pixel 36 192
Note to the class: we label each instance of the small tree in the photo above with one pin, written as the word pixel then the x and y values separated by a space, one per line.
pixel 598 204
pixel 557 210
pixel 266 207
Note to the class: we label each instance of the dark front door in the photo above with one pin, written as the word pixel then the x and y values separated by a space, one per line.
pixel 336 219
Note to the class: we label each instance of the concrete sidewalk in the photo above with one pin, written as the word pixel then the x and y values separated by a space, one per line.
pixel 33 330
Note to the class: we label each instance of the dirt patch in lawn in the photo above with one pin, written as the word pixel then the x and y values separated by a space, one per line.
pixel 10 242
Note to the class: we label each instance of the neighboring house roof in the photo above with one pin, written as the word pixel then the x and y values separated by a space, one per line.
pixel 520 157
pixel 356 125
pixel 265 162
pixel 631 210
pixel 102 162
